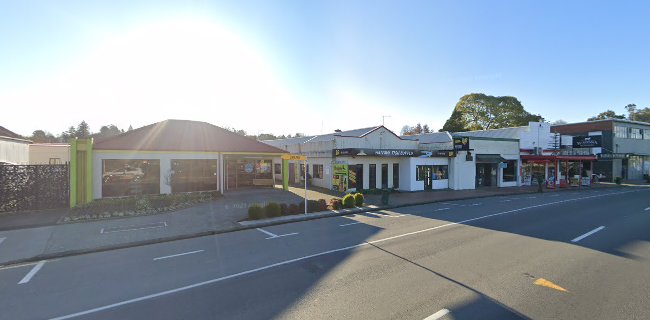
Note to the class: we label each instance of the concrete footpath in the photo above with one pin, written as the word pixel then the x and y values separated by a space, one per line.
pixel 219 216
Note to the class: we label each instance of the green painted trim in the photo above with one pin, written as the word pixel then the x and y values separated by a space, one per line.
pixel 73 172
pixel 89 170
pixel 285 175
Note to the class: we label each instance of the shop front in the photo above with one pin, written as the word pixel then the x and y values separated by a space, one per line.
pixel 248 171
pixel 557 170
pixel 355 169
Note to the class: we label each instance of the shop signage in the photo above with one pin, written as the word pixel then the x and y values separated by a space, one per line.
pixel 461 144
pixel 293 157
pixel 587 141
pixel 607 156
pixel 358 152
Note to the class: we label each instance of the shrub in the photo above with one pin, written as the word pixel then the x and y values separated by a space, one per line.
pixel 255 212
pixel 322 205
pixel 284 209
pixel 348 201
pixel 358 199
pixel 294 209
pixel 336 204
pixel 272 209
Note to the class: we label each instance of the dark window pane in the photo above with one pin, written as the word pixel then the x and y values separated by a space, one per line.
pixel 396 175
pixel 194 175
pixel 372 176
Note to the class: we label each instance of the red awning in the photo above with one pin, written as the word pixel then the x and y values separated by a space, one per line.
pixel 540 158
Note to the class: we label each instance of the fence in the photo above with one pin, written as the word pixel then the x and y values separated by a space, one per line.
pixel 32 187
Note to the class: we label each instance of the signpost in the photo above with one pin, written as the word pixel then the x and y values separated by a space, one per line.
pixel 299 158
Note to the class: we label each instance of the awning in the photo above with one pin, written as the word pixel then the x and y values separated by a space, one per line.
pixel 489 158
pixel 553 158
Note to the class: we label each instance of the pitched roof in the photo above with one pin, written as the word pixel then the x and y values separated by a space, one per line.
pixel 504 133
pixel 4 132
pixel 355 133
pixel 183 135
pixel 433 137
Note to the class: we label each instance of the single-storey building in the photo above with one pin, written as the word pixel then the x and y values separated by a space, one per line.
pixel 169 157
pixel 481 160
pixel 14 149
pixel 367 158
pixel 49 153
pixel 376 158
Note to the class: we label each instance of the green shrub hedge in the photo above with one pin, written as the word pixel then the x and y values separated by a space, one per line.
pixel 348 201
pixel 336 204
pixel 256 212
pixel 358 199
pixel 272 209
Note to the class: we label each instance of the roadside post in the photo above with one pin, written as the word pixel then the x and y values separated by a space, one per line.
pixel 299 158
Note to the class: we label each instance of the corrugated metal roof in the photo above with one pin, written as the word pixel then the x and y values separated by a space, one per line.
pixel 184 135
pixel 4 132
pixel 434 137
pixel 356 133
pixel 506 133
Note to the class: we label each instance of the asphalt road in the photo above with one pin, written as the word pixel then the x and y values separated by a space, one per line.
pixel 565 255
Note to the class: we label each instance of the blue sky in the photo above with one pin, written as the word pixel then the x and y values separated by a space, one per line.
pixel 312 67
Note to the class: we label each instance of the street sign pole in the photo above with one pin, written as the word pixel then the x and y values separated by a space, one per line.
pixel 305 185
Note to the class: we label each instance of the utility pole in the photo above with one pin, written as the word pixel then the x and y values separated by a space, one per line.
pixel 383 119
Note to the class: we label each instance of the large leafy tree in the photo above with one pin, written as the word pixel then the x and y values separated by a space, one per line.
pixel 478 111
pixel 636 114
pixel 609 114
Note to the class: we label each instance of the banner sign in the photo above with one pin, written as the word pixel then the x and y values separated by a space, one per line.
pixel 293 157
pixel 384 153
pixel 587 141
pixel 461 144
pixel 608 156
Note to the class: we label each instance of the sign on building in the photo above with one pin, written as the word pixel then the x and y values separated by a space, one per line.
pixel 461 143
pixel 587 141
pixel 389 153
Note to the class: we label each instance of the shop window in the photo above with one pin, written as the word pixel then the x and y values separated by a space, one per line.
pixel 384 176
pixel 510 171
pixel 395 175
pixel 318 171
pixel 278 168
pixel 372 177
pixel 635 133
pixel 130 177
pixel 440 172
pixel 620 132
pixel 646 134
pixel 190 175
pixel 419 173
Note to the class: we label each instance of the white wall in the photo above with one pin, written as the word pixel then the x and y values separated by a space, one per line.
pixel 462 173
pixel 14 152
pixel 165 165
pixel 508 150
pixel 42 153
pixel 413 185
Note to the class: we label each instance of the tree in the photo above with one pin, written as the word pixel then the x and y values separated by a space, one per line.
pixel 107 131
pixel 266 136
pixel 635 114
pixel 478 111
pixel 130 128
pixel 40 136
pixel 417 129
pixel 558 122
pixel 83 130
pixel 609 114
